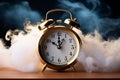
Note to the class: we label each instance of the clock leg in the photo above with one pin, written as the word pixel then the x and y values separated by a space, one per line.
pixel 44 67
pixel 73 68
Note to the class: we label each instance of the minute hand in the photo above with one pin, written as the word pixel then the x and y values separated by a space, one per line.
pixel 59 43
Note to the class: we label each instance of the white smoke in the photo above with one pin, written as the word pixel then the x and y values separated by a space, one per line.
pixel 22 54
pixel 96 55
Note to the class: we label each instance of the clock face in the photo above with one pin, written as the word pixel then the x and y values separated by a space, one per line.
pixel 59 47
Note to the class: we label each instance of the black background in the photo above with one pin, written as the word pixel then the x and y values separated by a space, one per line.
pixel 44 5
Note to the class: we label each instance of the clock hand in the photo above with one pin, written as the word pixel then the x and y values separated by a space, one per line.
pixel 59 42
pixel 54 43
pixel 58 46
pixel 62 41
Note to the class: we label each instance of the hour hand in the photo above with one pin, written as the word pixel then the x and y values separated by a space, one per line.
pixel 58 46
pixel 54 43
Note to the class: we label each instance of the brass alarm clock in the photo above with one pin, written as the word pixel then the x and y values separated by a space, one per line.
pixel 59 45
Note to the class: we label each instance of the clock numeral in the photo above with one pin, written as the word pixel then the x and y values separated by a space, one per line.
pixel 47 53
pixel 71 54
pixel 52 58
pixel 65 35
pixel 66 58
pixel 52 35
pixel 72 47
pixel 45 47
pixel 59 60
pixel 70 40
pixel 59 33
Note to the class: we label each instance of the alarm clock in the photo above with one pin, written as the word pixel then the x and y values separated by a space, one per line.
pixel 59 45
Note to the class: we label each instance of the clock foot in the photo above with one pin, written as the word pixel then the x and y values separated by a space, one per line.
pixel 73 68
pixel 44 67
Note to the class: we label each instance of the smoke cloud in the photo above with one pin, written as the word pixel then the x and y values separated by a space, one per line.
pixel 91 17
pixel 96 54
pixel 22 54
pixel 15 14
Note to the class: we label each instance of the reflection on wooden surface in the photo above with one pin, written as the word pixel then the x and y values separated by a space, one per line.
pixel 6 73
pixel 51 74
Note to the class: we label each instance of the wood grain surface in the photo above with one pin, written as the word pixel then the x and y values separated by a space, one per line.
pixel 50 74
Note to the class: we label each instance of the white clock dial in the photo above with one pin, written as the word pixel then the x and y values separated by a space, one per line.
pixel 59 47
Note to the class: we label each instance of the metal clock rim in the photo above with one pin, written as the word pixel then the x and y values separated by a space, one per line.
pixel 63 66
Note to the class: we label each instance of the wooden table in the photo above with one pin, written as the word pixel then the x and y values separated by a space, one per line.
pixel 55 75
